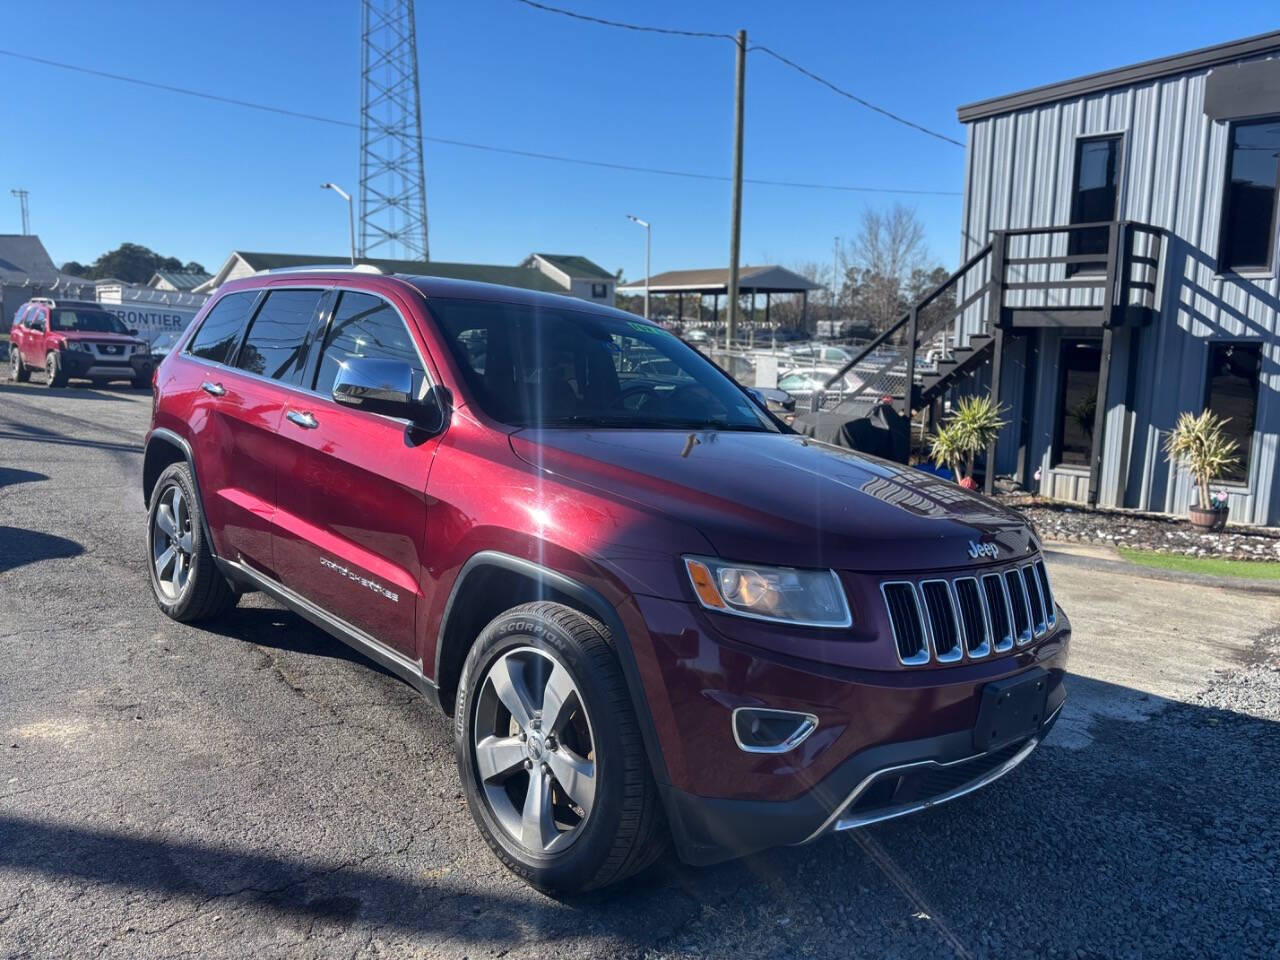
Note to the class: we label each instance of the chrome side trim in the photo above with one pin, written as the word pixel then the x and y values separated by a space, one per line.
pixel 387 657
pixel 834 822
pixel 808 724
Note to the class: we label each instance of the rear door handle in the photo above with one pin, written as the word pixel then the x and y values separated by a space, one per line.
pixel 302 419
pixel 213 389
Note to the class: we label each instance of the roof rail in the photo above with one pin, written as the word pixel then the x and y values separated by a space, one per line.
pixel 327 267
pixel 47 301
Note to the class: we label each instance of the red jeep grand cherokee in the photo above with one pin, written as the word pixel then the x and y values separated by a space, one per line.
pixel 652 611
pixel 68 338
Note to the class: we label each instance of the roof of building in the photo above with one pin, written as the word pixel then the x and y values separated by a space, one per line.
pixel 765 279
pixel 577 267
pixel 1201 59
pixel 23 259
pixel 179 280
pixel 484 273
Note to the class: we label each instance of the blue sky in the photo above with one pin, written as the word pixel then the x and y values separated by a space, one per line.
pixel 108 162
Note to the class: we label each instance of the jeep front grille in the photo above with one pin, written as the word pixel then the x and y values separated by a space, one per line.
pixel 945 621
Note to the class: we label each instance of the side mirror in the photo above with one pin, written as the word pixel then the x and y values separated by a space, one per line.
pixel 386 387
pixel 758 397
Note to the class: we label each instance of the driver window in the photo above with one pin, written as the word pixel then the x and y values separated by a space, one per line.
pixel 364 326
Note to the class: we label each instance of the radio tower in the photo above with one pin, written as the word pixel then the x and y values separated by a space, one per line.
pixel 393 190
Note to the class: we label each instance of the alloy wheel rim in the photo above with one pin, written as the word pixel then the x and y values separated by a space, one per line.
pixel 535 755
pixel 171 542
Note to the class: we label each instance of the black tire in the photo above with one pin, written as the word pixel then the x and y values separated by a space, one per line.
pixel 204 592
pixel 18 371
pixel 625 830
pixel 54 374
pixel 142 382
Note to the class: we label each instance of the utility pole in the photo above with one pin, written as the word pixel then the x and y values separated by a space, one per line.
pixel 735 230
pixel 22 202
pixel 835 273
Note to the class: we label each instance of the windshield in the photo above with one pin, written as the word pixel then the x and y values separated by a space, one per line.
pixel 85 320
pixel 533 366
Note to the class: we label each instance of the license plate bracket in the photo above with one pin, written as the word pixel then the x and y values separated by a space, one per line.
pixel 1012 709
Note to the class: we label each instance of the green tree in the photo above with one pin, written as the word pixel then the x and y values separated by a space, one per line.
pixel 130 262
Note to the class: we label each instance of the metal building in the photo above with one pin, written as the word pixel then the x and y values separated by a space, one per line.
pixel 1121 237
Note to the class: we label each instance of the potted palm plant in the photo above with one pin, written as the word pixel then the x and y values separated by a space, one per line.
pixel 1199 445
pixel 973 425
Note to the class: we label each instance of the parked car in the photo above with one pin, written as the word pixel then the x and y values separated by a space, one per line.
pixel 655 615
pixel 70 339
pixel 697 336
pixel 162 344
pixel 811 379
pixel 822 353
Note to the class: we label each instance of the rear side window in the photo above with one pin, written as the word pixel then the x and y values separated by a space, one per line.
pixel 220 332
pixel 364 326
pixel 276 345
pixel 20 315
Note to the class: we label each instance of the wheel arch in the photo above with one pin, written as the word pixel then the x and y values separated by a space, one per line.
pixel 491 582
pixel 165 448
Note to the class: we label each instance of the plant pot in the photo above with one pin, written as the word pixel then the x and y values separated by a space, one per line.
pixel 1210 520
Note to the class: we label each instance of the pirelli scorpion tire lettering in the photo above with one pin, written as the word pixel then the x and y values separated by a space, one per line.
pixel 550 754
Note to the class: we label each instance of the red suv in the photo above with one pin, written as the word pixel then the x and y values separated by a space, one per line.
pixel 72 339
pixel 652 610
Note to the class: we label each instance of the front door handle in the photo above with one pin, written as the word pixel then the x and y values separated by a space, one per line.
pixel 213 389
pixel 302 419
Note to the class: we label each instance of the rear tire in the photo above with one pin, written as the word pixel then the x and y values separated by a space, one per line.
pixel 185 580
pixel 18 371
pixel 54 375
pixel 580 730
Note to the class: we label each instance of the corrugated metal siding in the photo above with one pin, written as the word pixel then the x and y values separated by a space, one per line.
pixel 1019 173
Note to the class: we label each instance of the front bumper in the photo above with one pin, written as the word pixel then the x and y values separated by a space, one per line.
pixel 888 742
pixel 82 365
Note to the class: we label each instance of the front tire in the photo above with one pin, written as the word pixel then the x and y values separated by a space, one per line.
pixel 18 371
pixel 185 580
pixel 54 374
pixel 550 754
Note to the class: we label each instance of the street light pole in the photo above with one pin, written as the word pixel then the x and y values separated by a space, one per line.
pixel 645 224
pixel 735 216
pixel 351 216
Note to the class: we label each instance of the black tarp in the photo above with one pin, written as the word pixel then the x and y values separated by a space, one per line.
pixel 883 432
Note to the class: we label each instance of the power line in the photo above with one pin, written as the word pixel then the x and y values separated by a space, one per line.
pixel 854 97
pixel 763 49
pixel 447 141
pixel 625 26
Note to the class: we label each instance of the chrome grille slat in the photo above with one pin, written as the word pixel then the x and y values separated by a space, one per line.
pixel 973 617
pixel 950 619
pixel 944 628
pixel 1039 623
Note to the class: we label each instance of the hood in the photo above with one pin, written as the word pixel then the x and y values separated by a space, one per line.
pixel 98 337
pixel 785 499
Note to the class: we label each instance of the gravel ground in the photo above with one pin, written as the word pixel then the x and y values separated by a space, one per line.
pixel 1165 534
pixel 256 789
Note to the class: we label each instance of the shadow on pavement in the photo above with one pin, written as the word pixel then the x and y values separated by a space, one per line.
pixel 76 391
pixel 12 475
pixel 281 629
pixel 19 547
pixel 36 434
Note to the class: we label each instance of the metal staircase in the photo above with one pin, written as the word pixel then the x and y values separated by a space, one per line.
pixel 1092 275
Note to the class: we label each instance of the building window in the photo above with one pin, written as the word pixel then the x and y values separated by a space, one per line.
pixel 1249 198
pixel 1231 392
pixel 1093 199
pixel 599 291
pixel 1079 363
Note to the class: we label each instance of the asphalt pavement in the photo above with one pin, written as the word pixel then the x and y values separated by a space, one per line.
pixel 256 789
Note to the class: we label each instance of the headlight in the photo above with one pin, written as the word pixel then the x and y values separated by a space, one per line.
pixel 810 598
pixel 81 346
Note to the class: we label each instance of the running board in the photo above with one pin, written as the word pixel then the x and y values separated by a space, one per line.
pixel 397 663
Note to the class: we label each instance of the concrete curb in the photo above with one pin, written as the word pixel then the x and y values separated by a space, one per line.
pixel 1242 584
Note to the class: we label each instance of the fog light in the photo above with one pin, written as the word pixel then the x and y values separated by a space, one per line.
pixel 758 730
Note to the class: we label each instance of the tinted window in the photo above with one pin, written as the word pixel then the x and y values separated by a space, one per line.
pixel 18 317
pixel 1232 392
pixel 533 366
pixel 276 345
pixel 364 326
pixel 1094 198
pixel 1079 364
pixel 1249 201
pixel 222 327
